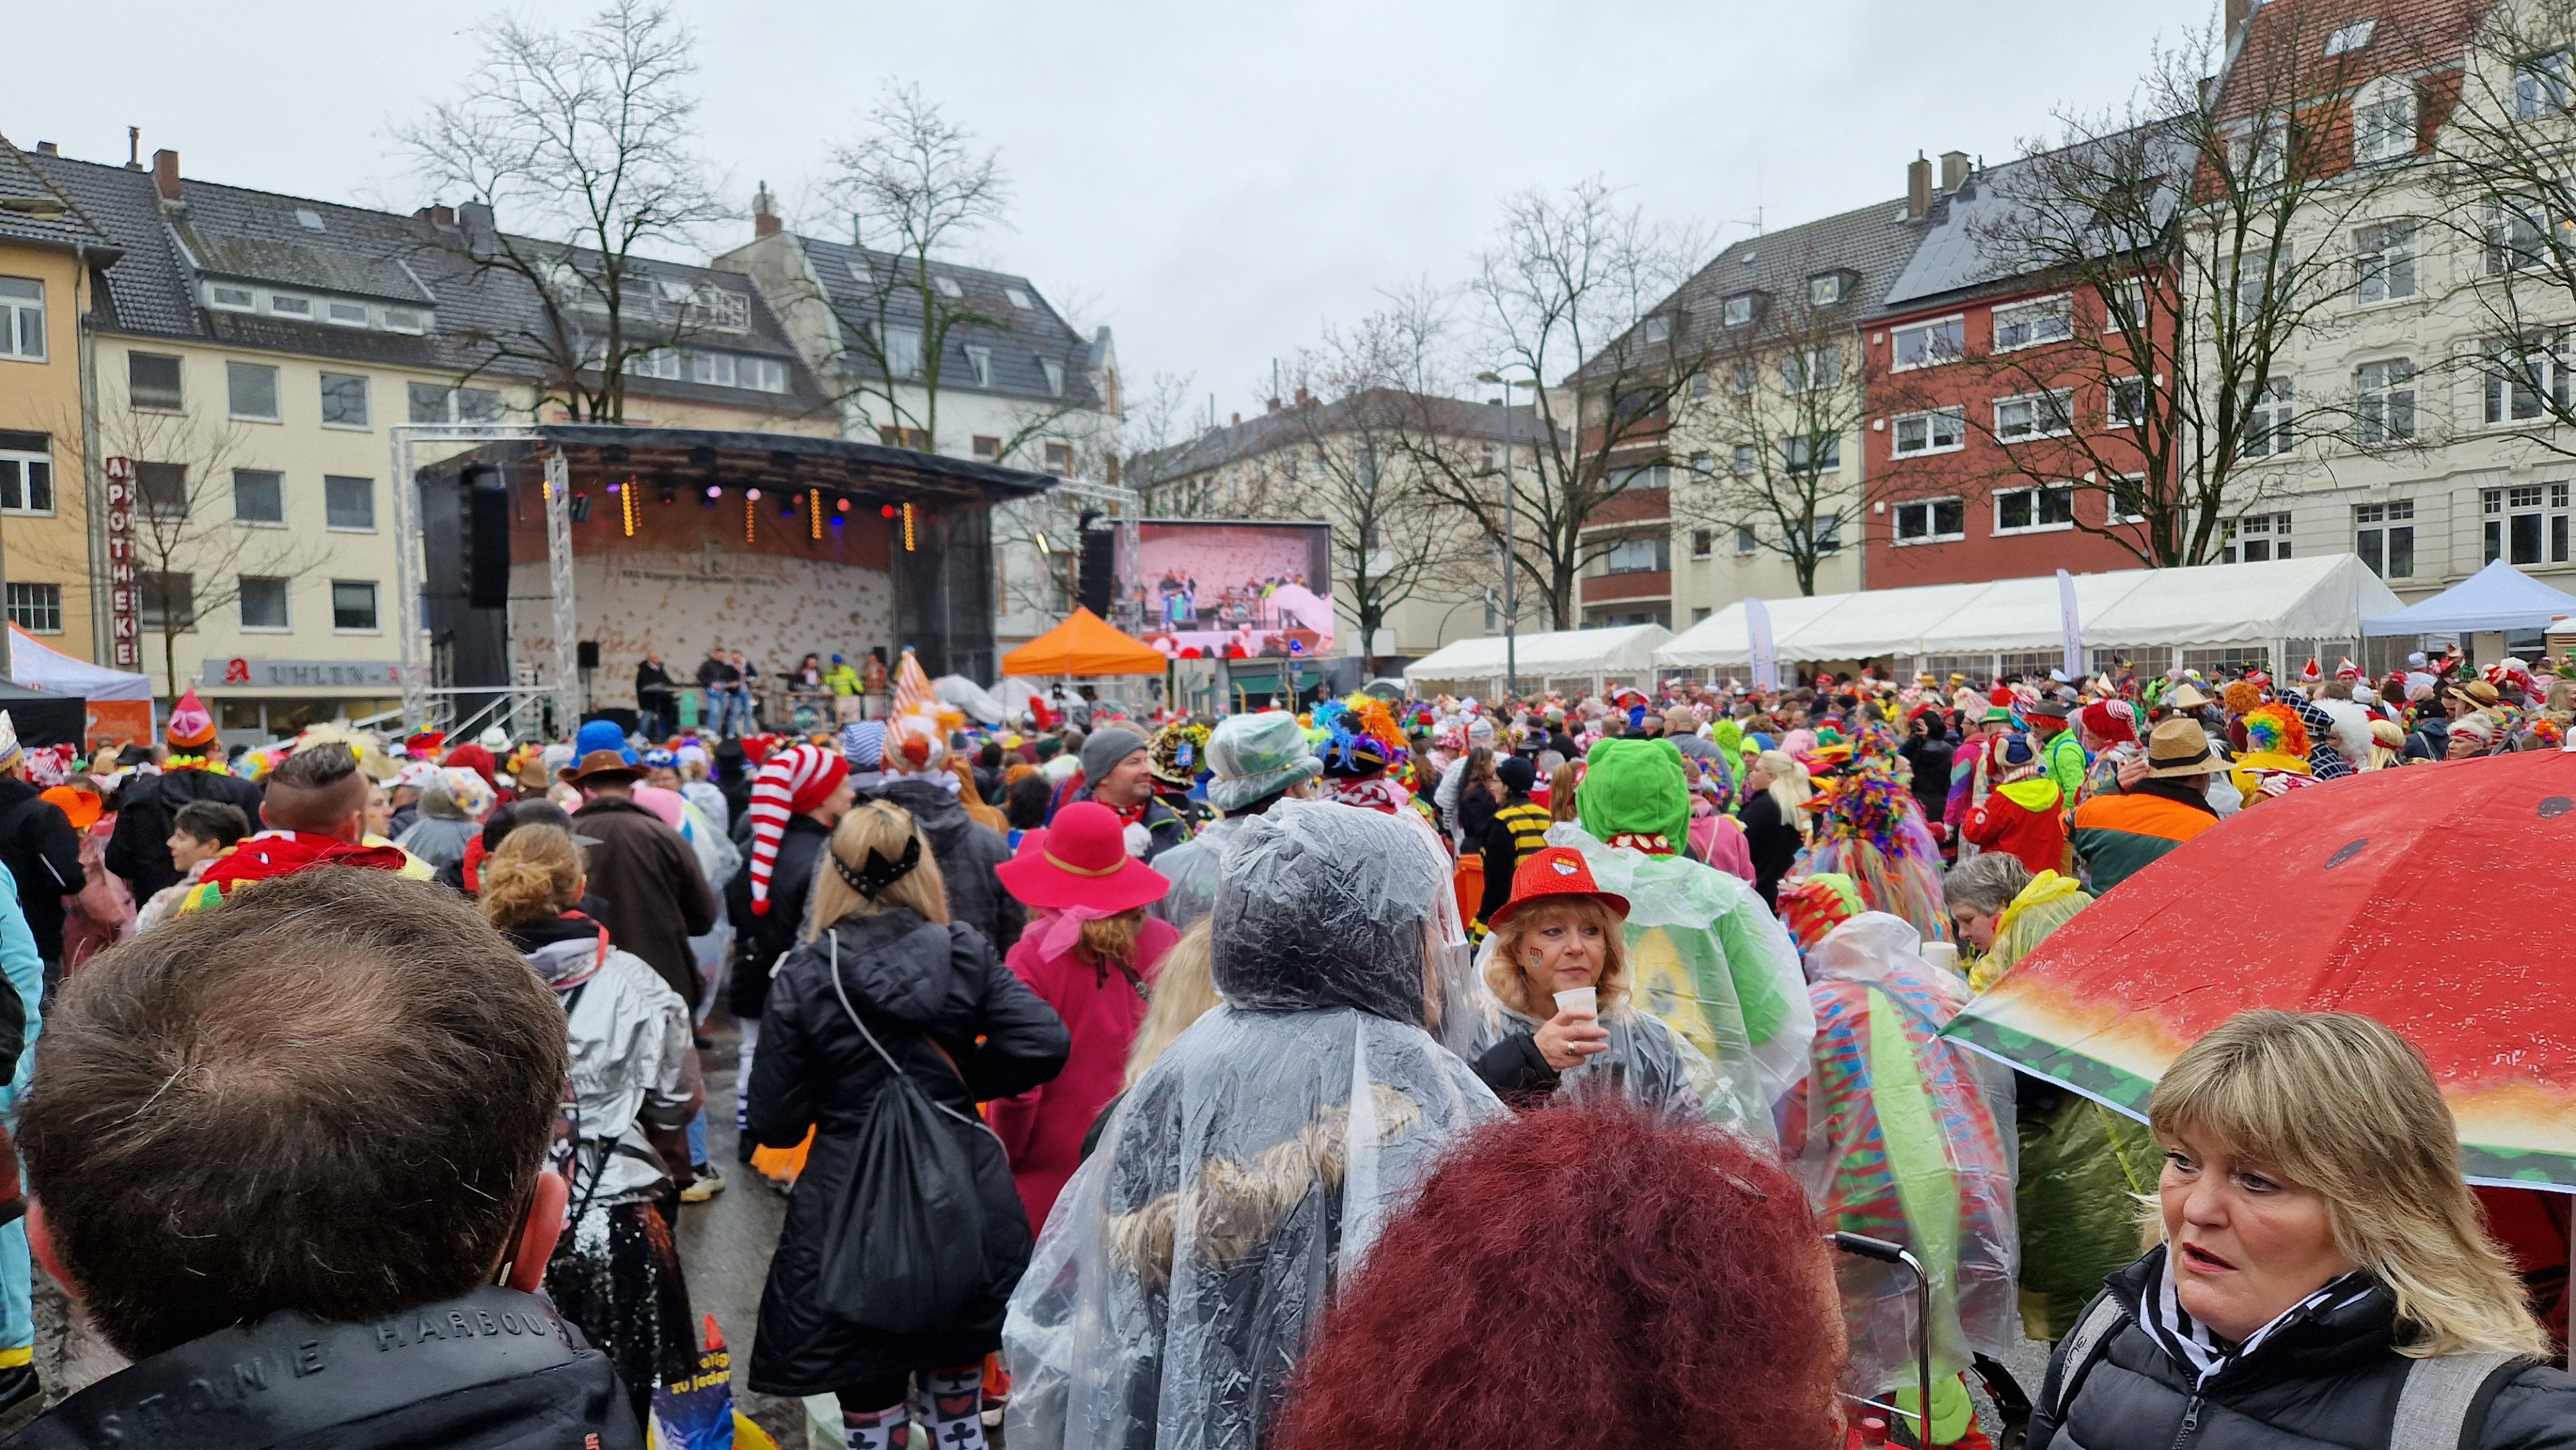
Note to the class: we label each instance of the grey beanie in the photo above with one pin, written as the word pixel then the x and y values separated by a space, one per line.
pixel 1105 748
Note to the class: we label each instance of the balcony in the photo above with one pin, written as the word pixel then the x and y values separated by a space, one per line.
pixel 1635 584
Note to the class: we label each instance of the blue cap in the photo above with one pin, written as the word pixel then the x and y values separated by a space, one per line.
pixel 602 735
pixel 2017 752
pixel 836 659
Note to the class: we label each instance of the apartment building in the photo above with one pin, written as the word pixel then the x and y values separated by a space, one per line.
pixel 975 364
pixel 53 259
pixel 2005 405
pixel 256 352
pixel 1306 458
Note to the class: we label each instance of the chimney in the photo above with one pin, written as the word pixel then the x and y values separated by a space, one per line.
pixel 475 220
pixel 1305 399
pixel 1274 405
pixel 46 148
pixel 1954 170
pixel 1236 421
pixel 1918 186
pixel 764 213
pixel 165 174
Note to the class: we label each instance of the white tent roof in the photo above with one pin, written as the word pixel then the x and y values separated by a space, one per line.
pixel 2324 597
pixel 39 666
pixel 2497 597
pixel 1628 649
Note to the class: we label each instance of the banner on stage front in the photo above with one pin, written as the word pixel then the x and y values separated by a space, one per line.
pixel 1766 658
pixel 1228 588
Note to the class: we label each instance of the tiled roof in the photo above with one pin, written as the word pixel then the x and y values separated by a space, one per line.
pixel 59 222
pixel 147 289
pixel 1869 245
pixel 1289 428
pixel 2283 51
pixel 1967 238
pixel 1030 333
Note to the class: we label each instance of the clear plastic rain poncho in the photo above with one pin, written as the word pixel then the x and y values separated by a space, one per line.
pixel 1249 1169
pixel 1646 1062
pixel 1712 963
pixel 1901 1141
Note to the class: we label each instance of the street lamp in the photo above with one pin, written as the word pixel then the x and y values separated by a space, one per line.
pixel 1511 555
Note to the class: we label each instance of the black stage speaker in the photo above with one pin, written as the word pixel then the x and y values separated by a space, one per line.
pixel 487 539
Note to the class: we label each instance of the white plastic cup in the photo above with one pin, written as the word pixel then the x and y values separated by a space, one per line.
pixel 1587 999
pixel 1942 954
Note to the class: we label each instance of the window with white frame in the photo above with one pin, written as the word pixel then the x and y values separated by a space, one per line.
pixel 1054 370
pixel 2383 395
pixel 431 403
pixel 2127 402
pixel 2035 415
pixel 2260 161
pixel 167 600
pixel 2383 122
pixel 1811 369
pixel 903 351
pixel 1942 430
pixel 2125 498
pixel 2271 413
pixel 2383 534
pixel 36 608
pixel 1703 543
pixel 2256 538
pixel 289 304
pixel 1746 541
pixel 1747 460
pixel 231 297
pixel 1639 554
pixel 1825 289
pixel 2349 37
pixel 1930 520
pixel 344 400
pixel 2124 304
pixel 2384 263
pixel 2526 523
pixel 161 489
pixel 948 287
pixel 1928 344
pixel 2516 236
pixel 1699 384
pixel 152 382
pixel 657 362
pixel 263 602
pixel 1743 378
pixel 353 606
pixel 981 360
pixel 1658 328
pixel 1828 531
pixel 22 319
pixel 2263 278
pixel 2035 510
pixel 1819 453
pixel 250 391
pixel 1017 298
pixel 259 497
pixel 1737 311
pixel 2540 86
pixel 349 504
pixel 2525 380
pixel 26 473
pixel 2029 324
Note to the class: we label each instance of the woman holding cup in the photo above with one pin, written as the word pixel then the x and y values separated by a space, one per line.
pixel 1555 1015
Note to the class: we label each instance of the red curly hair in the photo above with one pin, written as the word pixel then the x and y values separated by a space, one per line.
pixel 1651 1281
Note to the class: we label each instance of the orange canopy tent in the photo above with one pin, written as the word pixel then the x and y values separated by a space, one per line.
pixel 1085 644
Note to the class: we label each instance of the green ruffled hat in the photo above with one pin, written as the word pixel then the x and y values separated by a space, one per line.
pixel 1637 787
pixel 1257 755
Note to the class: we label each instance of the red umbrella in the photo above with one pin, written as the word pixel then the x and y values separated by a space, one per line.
pixel 2426 897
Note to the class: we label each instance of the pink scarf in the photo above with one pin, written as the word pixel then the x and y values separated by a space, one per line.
pixel 1064 928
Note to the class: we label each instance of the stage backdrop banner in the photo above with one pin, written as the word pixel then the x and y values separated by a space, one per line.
pixel 1204 588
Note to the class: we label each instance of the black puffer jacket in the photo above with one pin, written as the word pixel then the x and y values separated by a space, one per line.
pixel 139 848
pixel 967 854
pixel 2329 1380
pixel 761 938
pixel 912 981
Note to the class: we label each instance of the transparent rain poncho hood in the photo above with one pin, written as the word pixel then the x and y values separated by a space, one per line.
pixel 1904 1135
pixel 1709 960
pixel 1246 1173
pixel 1646 1062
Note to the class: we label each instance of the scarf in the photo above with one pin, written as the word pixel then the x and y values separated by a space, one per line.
pixel 1376 793
pixel 282 853
pixel 1064 928
pixel 2191 1344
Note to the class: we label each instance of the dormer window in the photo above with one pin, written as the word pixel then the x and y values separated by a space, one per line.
pixel 1658 328
pixel 285 305
pixel 2345 39
pixel 1739 309
pixel 859 272
pixel 2383 122
pixel 1825 289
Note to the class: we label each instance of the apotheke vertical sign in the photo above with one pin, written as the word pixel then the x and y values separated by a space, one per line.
pixel 124 587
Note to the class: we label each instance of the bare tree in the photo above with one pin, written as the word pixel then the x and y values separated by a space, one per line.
pixel 2200 238
pixel 584 140
pixel 2507 194
pixel 1572 289
pixel 1765 420
pixel 195 551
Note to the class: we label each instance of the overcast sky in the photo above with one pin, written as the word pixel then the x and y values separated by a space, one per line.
pixel 1214 182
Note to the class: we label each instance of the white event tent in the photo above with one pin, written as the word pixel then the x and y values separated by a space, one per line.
pixel 1588 659
pixel 2277 614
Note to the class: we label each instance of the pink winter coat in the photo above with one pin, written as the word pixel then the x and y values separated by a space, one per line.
pixel 1042 1129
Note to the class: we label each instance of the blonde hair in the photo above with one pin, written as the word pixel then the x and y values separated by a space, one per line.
pixel 1561 785
pixel 1503 969
pixel 2340 1104
pixel 1184 992
pixel 882 827
pixel 535 872
pixel 1790 788
pixel 1112 939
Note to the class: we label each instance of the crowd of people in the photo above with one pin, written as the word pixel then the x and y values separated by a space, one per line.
pixel 1384 1073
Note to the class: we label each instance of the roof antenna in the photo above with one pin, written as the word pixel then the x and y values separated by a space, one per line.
pixel 134 148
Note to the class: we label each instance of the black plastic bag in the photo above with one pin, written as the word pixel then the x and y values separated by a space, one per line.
pixel 903 1249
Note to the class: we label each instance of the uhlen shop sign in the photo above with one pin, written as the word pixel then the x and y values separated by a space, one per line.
pixel 124 586
pixel 311 674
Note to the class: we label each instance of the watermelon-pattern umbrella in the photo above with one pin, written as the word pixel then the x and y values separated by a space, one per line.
pixel 2432 898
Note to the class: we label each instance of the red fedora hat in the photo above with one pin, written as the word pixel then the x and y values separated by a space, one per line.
pixel 1081 860
pixel 1555 873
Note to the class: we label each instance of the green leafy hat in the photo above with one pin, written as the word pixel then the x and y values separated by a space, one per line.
pixel 1638 787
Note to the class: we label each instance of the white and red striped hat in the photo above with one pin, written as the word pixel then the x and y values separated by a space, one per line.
pixel 790 782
